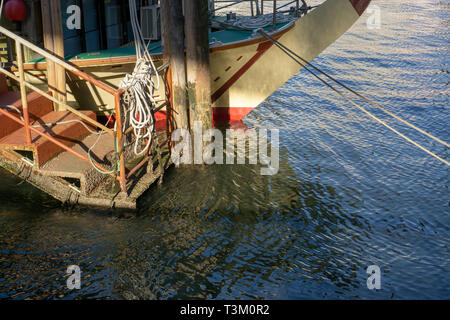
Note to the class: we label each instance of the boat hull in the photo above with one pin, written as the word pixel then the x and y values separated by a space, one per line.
pixel 243 73
pixel 266 68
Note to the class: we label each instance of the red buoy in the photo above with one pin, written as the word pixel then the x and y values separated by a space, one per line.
pixel 15 10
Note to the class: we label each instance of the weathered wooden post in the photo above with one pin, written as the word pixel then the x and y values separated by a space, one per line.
pixel 173 39
pixel 198 67
pixel 54 42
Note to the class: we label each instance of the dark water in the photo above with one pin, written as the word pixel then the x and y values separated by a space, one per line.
pixel 349 194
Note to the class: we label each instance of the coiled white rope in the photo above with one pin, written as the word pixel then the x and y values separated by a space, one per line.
pixel 139 88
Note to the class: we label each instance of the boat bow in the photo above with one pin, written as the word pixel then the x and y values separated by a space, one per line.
pixel 249 85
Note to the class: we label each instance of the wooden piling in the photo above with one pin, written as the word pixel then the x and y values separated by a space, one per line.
pixel 173 40
pixel 198 64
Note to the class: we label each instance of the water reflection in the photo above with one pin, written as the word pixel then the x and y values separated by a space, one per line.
pixel 348 195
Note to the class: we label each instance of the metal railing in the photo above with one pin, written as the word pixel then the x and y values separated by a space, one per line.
pixel 256 7
pixel 118 133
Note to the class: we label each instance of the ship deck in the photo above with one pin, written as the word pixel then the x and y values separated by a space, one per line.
pixel 155 48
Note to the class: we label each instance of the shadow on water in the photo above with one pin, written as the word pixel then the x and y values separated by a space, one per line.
pixel 207 232
pixel 233 229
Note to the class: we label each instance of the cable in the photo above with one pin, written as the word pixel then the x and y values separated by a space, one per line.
pixel 364 98
pixel 94 145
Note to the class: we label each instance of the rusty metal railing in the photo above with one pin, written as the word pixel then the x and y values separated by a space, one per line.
pixel 118 133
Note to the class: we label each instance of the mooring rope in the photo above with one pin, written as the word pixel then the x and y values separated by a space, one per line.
pixel 304 64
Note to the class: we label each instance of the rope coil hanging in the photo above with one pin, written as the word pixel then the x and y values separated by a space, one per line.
pixel 139 88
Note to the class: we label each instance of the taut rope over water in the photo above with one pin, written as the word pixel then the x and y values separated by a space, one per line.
pixel 304 63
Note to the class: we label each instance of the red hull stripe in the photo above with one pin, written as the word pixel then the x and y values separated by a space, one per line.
pixel 220 116
pixel 227 115
pixel 360 5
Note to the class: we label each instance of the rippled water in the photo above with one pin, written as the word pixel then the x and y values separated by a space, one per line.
pixel 349 194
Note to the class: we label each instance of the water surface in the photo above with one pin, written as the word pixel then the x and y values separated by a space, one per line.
pixel 349 194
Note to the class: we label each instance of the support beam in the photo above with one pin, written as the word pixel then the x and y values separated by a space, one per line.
pixel 54 42
pixel 198 64
pixel 173 40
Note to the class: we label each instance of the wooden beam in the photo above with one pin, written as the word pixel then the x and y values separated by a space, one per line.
pixel 54 42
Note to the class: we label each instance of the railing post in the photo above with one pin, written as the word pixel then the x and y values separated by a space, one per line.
pixel 274 15
pixel 23 91
pixel 262 6
pixel 119 137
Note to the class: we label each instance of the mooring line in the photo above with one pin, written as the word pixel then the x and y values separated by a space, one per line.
pixel 293 56
pixel 361 96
